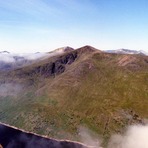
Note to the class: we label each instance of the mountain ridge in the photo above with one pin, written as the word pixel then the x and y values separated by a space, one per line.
pixel 10 61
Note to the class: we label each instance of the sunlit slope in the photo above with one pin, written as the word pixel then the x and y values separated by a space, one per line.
pixel 84 87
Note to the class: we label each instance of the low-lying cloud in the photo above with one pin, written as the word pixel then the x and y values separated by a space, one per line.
pixel 89 138
pixel 7 57
pixel 135 137
pixel 10 89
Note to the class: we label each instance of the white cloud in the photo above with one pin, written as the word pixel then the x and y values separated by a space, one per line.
pixel 89 138
pixel 135 137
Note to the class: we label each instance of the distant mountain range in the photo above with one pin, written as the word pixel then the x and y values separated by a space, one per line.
pixel 127 51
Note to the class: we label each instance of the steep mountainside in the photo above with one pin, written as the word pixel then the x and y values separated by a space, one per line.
pixel 85 87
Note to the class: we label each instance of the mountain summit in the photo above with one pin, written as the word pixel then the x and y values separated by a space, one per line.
pixel 64 49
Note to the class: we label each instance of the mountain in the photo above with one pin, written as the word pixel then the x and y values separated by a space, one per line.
pixel 127 51
pixel 85 87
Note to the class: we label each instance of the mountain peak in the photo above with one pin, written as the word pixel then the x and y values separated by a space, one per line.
pixel 88 49
pixel 64 49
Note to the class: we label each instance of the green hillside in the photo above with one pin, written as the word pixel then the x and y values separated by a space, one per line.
pixel 85 87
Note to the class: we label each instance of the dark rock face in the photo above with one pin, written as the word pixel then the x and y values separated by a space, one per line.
pixel 70 58
pixel 15 138
pixel 53 68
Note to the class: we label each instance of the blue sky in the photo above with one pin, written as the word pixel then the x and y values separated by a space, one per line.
pixel 44 25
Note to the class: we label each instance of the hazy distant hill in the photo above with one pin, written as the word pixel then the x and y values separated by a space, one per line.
pixel 127 51
pixel 84 87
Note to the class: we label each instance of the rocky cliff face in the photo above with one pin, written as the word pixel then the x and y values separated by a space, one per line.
pixel 55 66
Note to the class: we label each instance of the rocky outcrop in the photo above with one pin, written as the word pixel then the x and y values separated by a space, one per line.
pixel 54 67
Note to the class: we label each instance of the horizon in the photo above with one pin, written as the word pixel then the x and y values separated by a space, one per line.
pixel 19 53
pixel 45 25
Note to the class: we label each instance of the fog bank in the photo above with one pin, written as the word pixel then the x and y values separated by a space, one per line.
pixel 136 136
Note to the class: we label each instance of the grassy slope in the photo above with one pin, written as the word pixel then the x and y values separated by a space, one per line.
pixel 98 90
